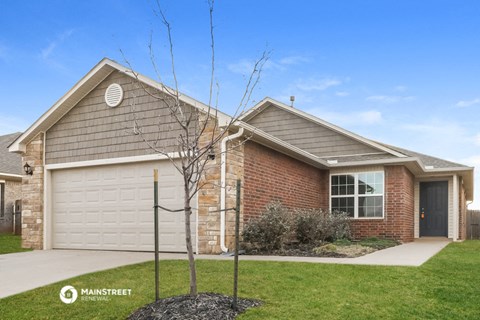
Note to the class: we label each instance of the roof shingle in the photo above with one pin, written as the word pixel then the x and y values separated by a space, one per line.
pixel 10 163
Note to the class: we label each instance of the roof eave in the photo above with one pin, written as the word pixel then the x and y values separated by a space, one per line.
pixel 10 176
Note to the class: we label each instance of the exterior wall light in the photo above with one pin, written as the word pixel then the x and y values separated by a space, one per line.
pixel 211 154
pixel 28 170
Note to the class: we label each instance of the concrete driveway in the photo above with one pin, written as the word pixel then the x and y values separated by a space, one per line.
pixel 24 271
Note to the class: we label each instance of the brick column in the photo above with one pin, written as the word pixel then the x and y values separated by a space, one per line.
pixel 209 195
pixel 234 171
pixel 209 199
pixel 32 196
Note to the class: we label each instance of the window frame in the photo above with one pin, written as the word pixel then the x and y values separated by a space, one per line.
pixel 356 195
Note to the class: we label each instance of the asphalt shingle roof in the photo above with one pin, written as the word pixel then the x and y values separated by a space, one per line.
pixel 426 159
pixel 10 163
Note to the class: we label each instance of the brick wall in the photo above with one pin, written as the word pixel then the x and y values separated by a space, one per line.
pixel 32 196
pixel 398 222
pixel 270 175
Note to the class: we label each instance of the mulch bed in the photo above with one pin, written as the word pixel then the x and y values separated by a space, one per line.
pixel 296 251
pixel 206 306
pixel 303 250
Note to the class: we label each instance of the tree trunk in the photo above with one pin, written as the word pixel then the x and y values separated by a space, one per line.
pixel 188 240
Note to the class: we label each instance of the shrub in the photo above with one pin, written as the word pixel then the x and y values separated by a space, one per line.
pixel 315 226
pixel 270 230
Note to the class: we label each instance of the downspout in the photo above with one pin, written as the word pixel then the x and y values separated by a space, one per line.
pixel 46 220
pixel 223 184
pixel 455 208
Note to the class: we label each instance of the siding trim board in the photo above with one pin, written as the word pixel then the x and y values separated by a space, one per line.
pixel 102 162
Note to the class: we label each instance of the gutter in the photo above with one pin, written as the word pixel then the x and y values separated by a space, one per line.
pixel 223 178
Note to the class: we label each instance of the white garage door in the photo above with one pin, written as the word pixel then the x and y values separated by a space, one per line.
pixel 111 208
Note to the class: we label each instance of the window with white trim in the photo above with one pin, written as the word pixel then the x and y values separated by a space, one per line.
pixel 358 194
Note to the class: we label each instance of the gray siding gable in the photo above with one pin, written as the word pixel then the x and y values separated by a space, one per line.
pixel 308 135
pixel 91 130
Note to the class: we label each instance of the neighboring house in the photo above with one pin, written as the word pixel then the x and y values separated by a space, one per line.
pixel 10 182
pixel 91 186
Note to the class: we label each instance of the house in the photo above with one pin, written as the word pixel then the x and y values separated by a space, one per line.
pixel 10 183
pixel 91 185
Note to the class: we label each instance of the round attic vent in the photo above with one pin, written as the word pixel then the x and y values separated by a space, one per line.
pixel 114 95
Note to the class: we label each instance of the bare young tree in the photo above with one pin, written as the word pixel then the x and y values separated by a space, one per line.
pixel 198 132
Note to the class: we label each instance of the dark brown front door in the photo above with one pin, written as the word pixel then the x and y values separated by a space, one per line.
pixel 434 209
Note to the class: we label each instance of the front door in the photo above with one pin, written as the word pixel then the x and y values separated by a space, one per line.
pixel 434 209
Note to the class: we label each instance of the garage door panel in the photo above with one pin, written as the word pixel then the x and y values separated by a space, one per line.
pixel 111 207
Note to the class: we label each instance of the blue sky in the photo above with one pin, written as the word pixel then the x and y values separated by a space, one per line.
pixel 402 72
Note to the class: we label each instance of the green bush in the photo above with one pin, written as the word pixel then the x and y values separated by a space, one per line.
pixel 270 230
pixel 277 226
pixel 316 226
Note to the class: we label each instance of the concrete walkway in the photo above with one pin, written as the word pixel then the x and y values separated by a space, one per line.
pixel 24 271
pixel 411 254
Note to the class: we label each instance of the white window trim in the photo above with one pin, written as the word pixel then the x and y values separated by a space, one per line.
pixel 356 195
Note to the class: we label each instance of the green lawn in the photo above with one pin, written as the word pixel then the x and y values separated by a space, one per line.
pixel 446 287
pixel 10 243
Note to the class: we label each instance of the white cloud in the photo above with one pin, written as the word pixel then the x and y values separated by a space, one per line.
pixel 476 139
pixel 293 60
pixel 473 161
pixel 245 66
pixel 370 117
pixel 389 99
pixel 47 51
pixel 342 93
pixel 400 88
pixel 316 84
pixel 438 129
pixel 242 67
pixel 467 103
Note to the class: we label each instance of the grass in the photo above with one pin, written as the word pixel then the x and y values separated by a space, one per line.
pixel 374 243
pixel 446 287
pixel 10 243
